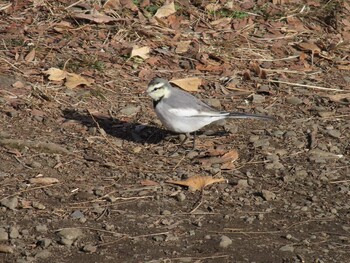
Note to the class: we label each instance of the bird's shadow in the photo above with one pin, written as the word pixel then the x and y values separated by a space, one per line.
pixel 134 132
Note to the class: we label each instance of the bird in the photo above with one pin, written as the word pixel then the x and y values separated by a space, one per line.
pixel 181 112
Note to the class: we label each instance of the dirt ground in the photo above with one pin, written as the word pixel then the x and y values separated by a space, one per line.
pixel 85 163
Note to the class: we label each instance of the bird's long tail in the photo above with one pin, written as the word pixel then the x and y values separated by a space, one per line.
pixel 239 115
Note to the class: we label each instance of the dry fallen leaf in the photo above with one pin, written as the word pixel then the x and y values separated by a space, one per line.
pixel 188 84
pixel 166 10
pixel 198 182
pixel 182 47
pixel 112 4
pixel 6 249
pixel 43 180
pixel 311 47
pixel 74 80
pixel 56 74
pixel 95 16
pixel 142 52
pixel 147 182
pixel 30 56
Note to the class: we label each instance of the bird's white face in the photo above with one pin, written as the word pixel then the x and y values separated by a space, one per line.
pixel 158 89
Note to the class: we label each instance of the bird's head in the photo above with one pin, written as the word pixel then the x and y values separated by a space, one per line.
pixel 158 88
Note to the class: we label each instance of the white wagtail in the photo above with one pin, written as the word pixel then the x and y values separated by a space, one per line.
pixel 181 112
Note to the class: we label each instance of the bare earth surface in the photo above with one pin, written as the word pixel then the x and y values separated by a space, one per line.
pixel 84 160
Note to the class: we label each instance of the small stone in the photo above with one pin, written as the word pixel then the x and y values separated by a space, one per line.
pixel 14 233
pixel 287 248
pixel 66 242
pixel 41 228
pixel 137 149
pixel 44 243
pixel 38 205
pixel 267 195
pixel 294 101
pixel 3 234
pixel 89 248
pixel 70 233
pixel 44 254
pixel 242 183
pixel 6 249
pixel 11 203
pixel 35 164
pixel 261 143
pixel 166 212
pixel 225 241
pixel 158 238
pixel 256 98
pixel 130 110
pixel 77 214
pixel 181 197
pixel 192 154
pixel 215 103
pixel 290 134
pixel 334 133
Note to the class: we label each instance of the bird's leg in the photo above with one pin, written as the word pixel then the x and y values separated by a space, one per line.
pixel 194 141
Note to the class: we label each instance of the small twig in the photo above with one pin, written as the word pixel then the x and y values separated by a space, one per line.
pixel 199 203
pixel 8 62
pixel 339 181
pixel 304 85
pixel 73 4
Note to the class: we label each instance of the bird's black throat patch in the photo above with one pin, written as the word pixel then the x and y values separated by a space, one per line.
pixel 155 102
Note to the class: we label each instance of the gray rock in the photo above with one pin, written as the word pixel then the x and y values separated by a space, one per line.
pixel 294 101
pixel 130 110
pixel 261 142
pixel 287 248
pixel 334 133
pixel 11 203
pixel 70 233
pixel 41 228
pixel 3 234
pixel 256 98
pixel 225 241
pixel 215 103
pixel 77 214
pixel 181 197
pixel 44 243
pixel 38 205
pixel 267 195
pixel 89 248
pixel 44 254
pixel 14 233
pixel 242 183
pixel 166 212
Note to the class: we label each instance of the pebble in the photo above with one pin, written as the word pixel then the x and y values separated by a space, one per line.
pixel 334 133
pixel 44 243
pixel 215 103
pixel 225 241
pixel 242 183
pixel 3 234
pixel 130 110
pixel 261 142
pixel 41 228
pixel 11 203
pixel 294 101
pixel 90 248
pixel 77 214
pixel 256 98
pixel 287 248
pixel 166 212
pixel 38 205
pixel 70 233
pixel 14 233
pixel 44 254
pixel 267 195
pixel 181 197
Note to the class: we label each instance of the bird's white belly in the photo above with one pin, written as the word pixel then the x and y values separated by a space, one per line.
pixel 181 124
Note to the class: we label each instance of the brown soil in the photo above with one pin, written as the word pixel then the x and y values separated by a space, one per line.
pixel 108 158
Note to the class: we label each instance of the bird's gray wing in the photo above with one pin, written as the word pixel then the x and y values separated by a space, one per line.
pixel 180 100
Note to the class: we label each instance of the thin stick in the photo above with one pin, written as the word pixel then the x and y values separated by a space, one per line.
pixel 340 181
pixel 304 85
